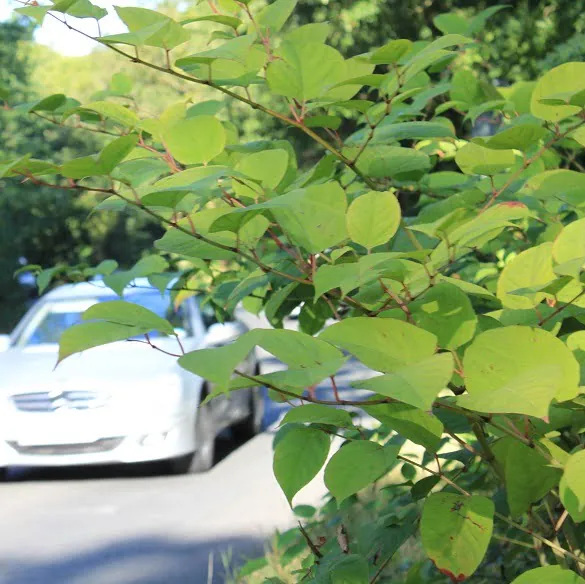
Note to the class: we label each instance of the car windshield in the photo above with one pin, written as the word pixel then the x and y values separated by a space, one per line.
pixel 48 324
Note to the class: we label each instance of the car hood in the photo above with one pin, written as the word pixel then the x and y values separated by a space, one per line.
pixel 34 368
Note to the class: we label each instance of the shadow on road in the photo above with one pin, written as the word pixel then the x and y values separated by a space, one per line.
pixel 143 560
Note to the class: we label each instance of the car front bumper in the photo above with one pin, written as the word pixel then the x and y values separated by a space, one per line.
pixel 72 445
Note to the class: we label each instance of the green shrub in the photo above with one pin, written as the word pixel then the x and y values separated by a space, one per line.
pixel 454 269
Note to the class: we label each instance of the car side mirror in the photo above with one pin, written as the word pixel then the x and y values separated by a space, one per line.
pixel 4 342
pixel 222 333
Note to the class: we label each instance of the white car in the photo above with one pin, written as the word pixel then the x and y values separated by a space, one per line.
pixel 119 403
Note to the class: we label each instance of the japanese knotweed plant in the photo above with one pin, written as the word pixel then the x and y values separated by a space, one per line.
pixel 450 266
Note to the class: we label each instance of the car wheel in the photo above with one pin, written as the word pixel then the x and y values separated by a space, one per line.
pixel 251 425
pixel 3 474
pixel 204 456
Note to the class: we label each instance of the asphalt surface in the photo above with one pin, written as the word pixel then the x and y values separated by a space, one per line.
pixel 127 525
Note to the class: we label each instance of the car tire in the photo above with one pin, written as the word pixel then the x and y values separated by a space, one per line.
pixel 3 474
pixel 203 458
pixel 251 425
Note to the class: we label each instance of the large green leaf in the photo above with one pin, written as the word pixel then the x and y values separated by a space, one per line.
pixel 87 335
pixel 129 314
pixel 526 275
pixel 298 457
pixel 196 140
pixel 566 78
pixel 476 159
pixel 549 575
pixel 152 28
pixel 417 384
pixel 519 137
pixel 267 167
pixel 518 369
pixel 113 111
pixel 373 218
pixel 351 569
pixel 319 414
pixel 305 71
pixel 356 465
pixel 564 185
pixel 391 52
pixel 383 344
pixel 380 161
pixel 456 531
pixel 572 487
pixel 529 476
pixel 569 248
pixel 296 349
pixel 273 17
pixel 410 422
pixel 445 311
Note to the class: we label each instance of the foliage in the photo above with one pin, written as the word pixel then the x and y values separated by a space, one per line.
pixel 452 268
pixel 44 225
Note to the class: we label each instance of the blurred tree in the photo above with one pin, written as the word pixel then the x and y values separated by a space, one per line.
pixel 48 226
pixel 519 38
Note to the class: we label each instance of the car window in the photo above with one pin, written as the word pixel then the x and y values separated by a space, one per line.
pixel 53 318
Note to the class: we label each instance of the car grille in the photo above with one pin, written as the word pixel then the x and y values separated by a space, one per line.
pixel 103 445
pixel 43 401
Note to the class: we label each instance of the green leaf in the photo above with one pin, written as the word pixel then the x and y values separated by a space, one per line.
pixel 446 312
pixel 519 137
pixel 87 335
pixel 572 487
pixel 391 52
pixel 298 457
pixel 417 385
pixel 351 569
pixel 313 218
pixel 305 71
pixel 318 414
pixel 156 29
pixel 297 350
pixel 422 488
pixel 113 111
pixel 410 422
pixel 529 476
pixel 49 104
pixel 569 77
pixel 273 17
pixel 383 344
pixel 479 20
pixel 37 13
pixel 267 167
pixel 314 32
pixel 116 151
pixel 129 314
pixel 411 131
pixel 451 23
pixel 456 531
pixel 237 50
pixel 196 140
pixel 564 185
pixel 79 9
pixel 380 161
pixel 549 575
pixel 356 465
pixel 373 218
pixel 224 19
pixel 531 269
pixel 569 247
pixel 476 159
pixel 518 369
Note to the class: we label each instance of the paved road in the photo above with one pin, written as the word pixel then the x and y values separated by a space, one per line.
pixel 121 526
